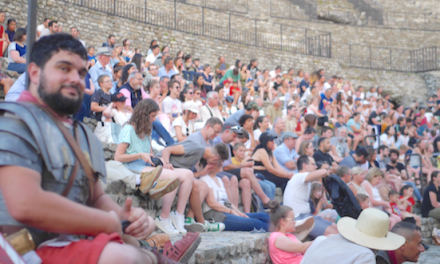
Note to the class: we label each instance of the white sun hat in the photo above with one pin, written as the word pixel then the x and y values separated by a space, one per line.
pixel 370 230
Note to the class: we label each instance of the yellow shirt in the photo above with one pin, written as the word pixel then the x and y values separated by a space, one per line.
pixel 235 161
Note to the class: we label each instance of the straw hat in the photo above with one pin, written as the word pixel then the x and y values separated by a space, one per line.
pixel 304 227
pixel 370 230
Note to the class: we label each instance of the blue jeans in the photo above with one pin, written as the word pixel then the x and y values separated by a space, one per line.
pixel 160 132
pixel 255 220
pixel 17 67
pixel 137 165
pixel 416 191
pixel 268 188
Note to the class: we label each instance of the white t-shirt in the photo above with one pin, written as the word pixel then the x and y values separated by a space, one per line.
pixel 219 191
pixel 387 140
pixel 179 122
pixel 45 32
pixel 296 194
pixel 120 116
pixel 257 134
pixel 403 140
pixel 40 28
pixel 171 106
pixel 151 58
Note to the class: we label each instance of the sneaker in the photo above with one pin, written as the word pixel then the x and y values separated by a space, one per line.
pixel 183 249
pixel 213 227
pixel 178 222
pixel 193 226
pixel 163 187
pixel 303 227
pixel 158 241
pixel 149 178
pixel 166 226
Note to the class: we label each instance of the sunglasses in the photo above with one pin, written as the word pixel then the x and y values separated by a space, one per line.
pixel 190 92
pixel 197 93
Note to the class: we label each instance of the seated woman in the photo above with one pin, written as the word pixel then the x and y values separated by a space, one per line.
pixel 117 110
pixel 372 180
pixel 266 164
pixel 306 148
pixel 261 125
pixel 218 207
pixel 134 150
pixel 431 198
pixel 183 126
pixel 247 123
pixel 387 138
pixel 356 183
pixel 17 52
pixel 284 247
pixel 414 162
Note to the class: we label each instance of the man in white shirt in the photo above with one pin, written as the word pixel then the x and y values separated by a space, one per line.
pixel 211 108
pixel 171 105
pixel 75 33
pixel 41 27
pixel 52 28
pixel 153 56
pixel 275 73
pixel 297 193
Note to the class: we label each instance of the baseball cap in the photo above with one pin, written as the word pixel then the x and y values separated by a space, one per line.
pixel 252 105
pixel 358 99
pixel 231 126
pixel 266 136
pixel 191 107
pixel 288 134
pixel 118 97
pixel 249 80
pixel 226 81
pixel 230 99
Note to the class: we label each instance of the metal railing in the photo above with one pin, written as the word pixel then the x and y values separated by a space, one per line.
pixel 423 180
pixel 318 44
pixel 235 6
pixel 385 58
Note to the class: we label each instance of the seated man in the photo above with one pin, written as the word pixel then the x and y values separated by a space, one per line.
pixel 409 251
pixel 297 193
pixel 38 192
pixel 358 159
pixel 322 155
pixel 285 153
pixel 339 146
pixel 356 241
pixel 278 129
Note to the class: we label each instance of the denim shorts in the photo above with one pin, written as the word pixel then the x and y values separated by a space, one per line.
pixel 136 165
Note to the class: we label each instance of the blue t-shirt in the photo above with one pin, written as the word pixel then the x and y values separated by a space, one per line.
pixel 321 104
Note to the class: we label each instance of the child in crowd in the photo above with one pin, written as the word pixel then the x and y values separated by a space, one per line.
pixel 340 121
pixel 319 205
pixel 235 92
pixel 239 154
pixel 91 56
pixel 393 197
pixel 226 87
pixel 386 122
pixel 399 206
pixel 198 66
pixel 363 200
pixel 250 85
pixel 284 247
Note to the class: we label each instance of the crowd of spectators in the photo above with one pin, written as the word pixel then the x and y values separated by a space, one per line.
pixel 217 130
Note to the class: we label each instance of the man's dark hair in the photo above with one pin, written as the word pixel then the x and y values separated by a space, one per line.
pixel 320 140
pixel 155 47
pixel 309 130
pixel 392 192
pixel 74 28
pixel 342 170
pixel 187 57
pixel 405 187
pixel 46 19
pixel 172 82
pixel 19 34
pixel 303 160
pixel 214 121
pixel 163 78
pixel 243 119
pixel 325 129
pixel 382 148
pixel 405 229
pixel 52 22
pixel 220 57
pixel 278 68
pixel 124 41
pixel 222 151
pixel 290 107
pixel 362 152
pixel 395 151
pixel 167 60
pixel 110 36
pixel 47 46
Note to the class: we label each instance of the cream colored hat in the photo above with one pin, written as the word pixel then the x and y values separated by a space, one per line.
pixel 189 105
pixel 370 230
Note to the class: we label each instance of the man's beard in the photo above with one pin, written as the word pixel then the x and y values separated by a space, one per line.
pixel 57 101
pixel 393 161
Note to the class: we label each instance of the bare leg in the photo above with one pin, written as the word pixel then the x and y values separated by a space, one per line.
pixel 331 230
pixel 246 195
pixel 349 141
pixel 7 84
pixel 227 185
pixel 194 201
pixel 234 191
pixel 248 173
pixel 269 94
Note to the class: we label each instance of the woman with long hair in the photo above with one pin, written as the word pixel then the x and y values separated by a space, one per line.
pixel 267 164
pixel 152 44
pixel 245 99
pixel 178 65
pixel 306 148
pixel 431 198
pixel 261 125
pixel 319 205
pixel 244 75
pixel 126 71
pixel 134 150
pixel 414 162
pixel 117 60
pixel 186 95
pixel 309 120
pixel 137 60
pixel 208 80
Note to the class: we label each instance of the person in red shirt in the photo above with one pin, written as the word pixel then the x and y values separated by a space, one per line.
pixel 406 197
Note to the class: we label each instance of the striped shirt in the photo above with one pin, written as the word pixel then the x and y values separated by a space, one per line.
pixel 135 144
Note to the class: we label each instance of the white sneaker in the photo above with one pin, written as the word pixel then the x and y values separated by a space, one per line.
pixel 178 222
pixel 166 226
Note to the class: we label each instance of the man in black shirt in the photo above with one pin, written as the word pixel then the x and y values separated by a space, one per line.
pixel 321 156
pixel 395 167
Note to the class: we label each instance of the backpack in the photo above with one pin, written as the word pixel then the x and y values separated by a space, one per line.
pixel 343 199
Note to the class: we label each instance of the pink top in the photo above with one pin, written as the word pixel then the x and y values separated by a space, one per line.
pixel 127 95
pixel 280 256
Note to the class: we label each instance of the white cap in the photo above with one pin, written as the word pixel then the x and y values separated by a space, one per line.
pixel 191 106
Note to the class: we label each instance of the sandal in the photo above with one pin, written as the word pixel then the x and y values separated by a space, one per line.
pixel 183 249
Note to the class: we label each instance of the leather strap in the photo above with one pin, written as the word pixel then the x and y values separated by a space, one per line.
pixel 72 174
pixel 76 149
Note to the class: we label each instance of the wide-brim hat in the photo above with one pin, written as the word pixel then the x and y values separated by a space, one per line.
pixel 303 227
pixel 370 230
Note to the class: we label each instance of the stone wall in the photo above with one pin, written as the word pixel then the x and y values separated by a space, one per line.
pixel 96 26
pixel 428 224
